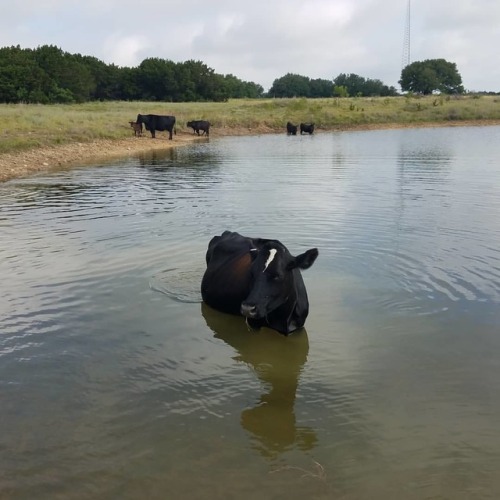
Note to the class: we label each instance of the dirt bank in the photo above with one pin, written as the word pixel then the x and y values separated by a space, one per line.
pixel 30 162
pixel 25 163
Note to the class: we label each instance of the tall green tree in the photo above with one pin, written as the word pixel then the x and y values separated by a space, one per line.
pixel 426 77
pixel 359 86
pixel 320 88
pixel 21 79
pixel 290 85
pixel 70 75
pixel 204 80
pixel 237 88
pixel 156 78
pixel 107 78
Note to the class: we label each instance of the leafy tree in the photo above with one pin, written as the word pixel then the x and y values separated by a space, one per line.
pixel 359 86
pixel 239 89
pixel 377 88
pixel 251 90
pixel 107 79
pixel 352 82
pixel 340 91
pixel 431 75
pixel 218 88
pixel 204 80
pixel 290 85
pixel 67 71
pixel 320 88
pixel 129 88
pixel 156 78
pixel 21 79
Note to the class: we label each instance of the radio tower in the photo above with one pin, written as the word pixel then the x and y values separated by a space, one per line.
pixel 406 40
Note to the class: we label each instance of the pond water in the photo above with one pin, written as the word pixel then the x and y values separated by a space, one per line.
pixel 116 382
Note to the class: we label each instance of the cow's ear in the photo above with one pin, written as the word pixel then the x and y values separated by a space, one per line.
pixel 304 260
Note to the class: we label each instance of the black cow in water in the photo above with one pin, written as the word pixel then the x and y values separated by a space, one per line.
pixel 306 128
pixel 259 279
pixel 198 125
pixel 157 122
pixel 291 129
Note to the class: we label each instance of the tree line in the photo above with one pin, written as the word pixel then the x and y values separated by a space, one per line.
pixel 47 75
pixel 419 77
pixel 344 85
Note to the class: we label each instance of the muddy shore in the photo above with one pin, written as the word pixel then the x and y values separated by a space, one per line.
pixel 33 161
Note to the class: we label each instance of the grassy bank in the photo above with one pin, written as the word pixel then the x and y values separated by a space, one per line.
pixel 32 126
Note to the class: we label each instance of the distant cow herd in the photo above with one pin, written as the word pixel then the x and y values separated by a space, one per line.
pixel 161 123
pixel 305 128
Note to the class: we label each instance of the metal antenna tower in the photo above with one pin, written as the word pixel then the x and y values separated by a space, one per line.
pixel 407 38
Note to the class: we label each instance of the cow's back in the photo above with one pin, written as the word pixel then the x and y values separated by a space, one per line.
pixel 157 122
pixel 226 282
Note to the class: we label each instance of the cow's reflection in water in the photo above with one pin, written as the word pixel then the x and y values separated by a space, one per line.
pixel 278 362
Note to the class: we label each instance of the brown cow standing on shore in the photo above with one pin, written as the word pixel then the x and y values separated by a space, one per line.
pixel 137 128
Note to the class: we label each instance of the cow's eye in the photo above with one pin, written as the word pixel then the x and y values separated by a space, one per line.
pixel 275 277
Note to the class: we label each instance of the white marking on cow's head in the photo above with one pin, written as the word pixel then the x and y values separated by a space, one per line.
pixel 272 254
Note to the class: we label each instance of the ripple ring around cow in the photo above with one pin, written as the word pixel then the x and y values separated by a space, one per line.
pixel 181 284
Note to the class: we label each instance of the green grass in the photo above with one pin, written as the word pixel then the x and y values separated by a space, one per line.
pixel 29 126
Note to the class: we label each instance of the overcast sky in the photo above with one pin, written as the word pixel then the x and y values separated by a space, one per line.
pixel 262 40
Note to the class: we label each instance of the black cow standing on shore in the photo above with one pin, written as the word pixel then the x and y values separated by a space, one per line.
pixel 157 122
pixel 291 129
pixel 198 125
pixel 306 128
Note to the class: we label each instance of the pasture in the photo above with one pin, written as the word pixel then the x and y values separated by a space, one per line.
pixel 32 126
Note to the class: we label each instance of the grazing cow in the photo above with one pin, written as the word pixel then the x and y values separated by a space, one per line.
pixel 137 127
pixel 291 129
pixel 259 279
pixel 198 125
pixel 306 128
pixel 157 122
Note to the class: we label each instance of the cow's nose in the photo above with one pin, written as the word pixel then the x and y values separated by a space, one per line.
pixel 248 310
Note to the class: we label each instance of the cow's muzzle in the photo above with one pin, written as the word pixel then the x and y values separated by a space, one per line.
pixel 249 310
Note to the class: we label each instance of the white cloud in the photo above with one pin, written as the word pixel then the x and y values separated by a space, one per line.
pixel 124 50
pixel 263 40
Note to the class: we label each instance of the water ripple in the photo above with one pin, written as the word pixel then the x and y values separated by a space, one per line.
pixel 181 284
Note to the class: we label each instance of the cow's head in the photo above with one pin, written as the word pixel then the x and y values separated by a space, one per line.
pixel 136 126
pixel 276 284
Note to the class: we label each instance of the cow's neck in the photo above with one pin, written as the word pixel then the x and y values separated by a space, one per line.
pixel 283 318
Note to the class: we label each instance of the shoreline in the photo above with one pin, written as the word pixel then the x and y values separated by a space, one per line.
pixel 45 159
